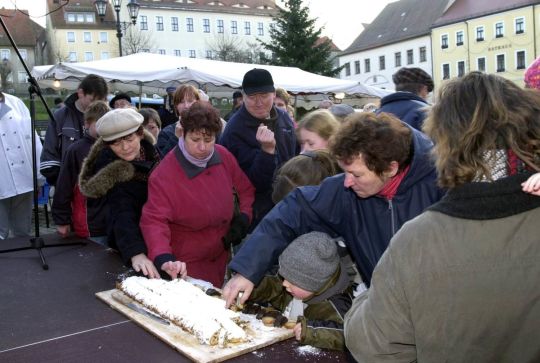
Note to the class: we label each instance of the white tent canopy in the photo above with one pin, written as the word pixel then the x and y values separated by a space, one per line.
pixel 155 72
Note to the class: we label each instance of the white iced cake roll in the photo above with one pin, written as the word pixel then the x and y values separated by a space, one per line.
pixel 187 306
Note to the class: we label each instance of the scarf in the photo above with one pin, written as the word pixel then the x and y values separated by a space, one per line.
pixel 390 188
pixel 201 163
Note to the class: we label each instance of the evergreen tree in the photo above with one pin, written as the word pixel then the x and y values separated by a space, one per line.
pixel 294 41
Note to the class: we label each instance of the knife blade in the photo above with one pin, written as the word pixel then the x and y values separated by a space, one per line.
pixel 124 300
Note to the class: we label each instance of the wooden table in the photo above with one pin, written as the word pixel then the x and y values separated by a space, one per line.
pixel 53 316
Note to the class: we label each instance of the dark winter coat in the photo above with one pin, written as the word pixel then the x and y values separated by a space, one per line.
pixel 125 186
pixel 239 137
pixel 167 139
pixel 70 207
pixel 66 128
pixel 365 224
pixel 406 106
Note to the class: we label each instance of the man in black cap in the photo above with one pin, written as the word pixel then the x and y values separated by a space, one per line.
pixel 408 103
pixel 121 100
pixel 261 137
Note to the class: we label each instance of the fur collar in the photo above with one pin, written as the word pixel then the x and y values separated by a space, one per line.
pixel 96 183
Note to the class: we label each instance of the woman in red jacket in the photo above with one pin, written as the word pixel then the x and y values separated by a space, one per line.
pixel 190 201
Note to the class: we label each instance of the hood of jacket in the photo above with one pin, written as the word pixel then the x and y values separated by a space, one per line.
pixel 102 170
pixel 401 96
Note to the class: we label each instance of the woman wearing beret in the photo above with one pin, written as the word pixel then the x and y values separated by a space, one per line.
pixel 190 201
pixel 117 168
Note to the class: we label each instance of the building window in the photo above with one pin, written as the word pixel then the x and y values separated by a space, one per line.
pixel 356 67
pixel 499 29
pixel 460 68
pixel 234 27
pixel 410 56
pixel 192 53
pixel 23 78
pixel 88 56
pixel 247 28
pixel 177 53
pixel 260 29
pixel 520 25
pixel 174 24
pixel 520 59
pixel 209 54
pixel 143 22
pixel 206 25
pixel 24 54
pixel 161 51
pixel 103 37
pixel 72 56
pixel 367 65
pixel 80 18
pixel 87 36
pixel 459 38
pixel 423 54
pixel 481 64
pixel 382 63
pixel 71 37
pixel 5 54
pixel 347 69
pixel 500 63
pixel 479 33
pixel 397 59
pixel 446 71
pixel 159 23
pixel 444 41
pixel 145 50
pixel 104 55
pixel 189 25
pixel 220 26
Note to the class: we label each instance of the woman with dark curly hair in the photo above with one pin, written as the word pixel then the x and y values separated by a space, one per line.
pixel 460 282
pixel 190 201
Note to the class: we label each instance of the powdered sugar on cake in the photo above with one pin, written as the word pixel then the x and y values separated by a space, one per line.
pixel 189 307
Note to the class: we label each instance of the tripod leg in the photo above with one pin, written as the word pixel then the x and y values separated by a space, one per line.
pixel 42 257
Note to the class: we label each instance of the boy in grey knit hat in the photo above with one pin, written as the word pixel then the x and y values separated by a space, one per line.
pixel 314 281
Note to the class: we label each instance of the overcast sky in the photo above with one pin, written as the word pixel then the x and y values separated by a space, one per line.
pixel 342 19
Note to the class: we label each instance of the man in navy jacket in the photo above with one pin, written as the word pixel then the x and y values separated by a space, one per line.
pixel 261 137
pixel 389 179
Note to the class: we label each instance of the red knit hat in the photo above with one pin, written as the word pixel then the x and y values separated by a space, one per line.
pixel 532 75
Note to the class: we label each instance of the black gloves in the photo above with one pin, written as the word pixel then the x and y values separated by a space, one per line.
pixel 237 231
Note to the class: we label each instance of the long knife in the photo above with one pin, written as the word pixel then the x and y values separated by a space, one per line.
pixel 124 300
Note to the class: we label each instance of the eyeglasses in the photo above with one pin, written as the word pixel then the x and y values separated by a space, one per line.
pixel 118 142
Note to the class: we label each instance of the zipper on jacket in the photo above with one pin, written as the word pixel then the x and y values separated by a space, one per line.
pixel 392 219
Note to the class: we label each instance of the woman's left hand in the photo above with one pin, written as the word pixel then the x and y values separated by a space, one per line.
pixel 298 331
pixel 142 263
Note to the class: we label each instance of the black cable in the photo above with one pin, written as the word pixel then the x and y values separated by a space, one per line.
pixel 28 15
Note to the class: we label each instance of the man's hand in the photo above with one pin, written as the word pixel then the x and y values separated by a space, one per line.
pixel 237 284
pixel 63 230
pixel 175 268
pixel 532 185
pixel 142 263
pixel 298 331
pixel 265 137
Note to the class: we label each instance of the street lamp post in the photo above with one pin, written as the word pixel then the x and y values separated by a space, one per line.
pixel 133 9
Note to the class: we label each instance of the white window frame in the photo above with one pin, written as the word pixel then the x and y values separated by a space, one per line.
pixel 192 53
pixel 247 28
pixel 464 68
pixel 497 63
pixel 485 64
pixel 72 57
pixel 160 25
pixel 206 25
pixel 105 55
pixel 234 27
pixel 515 25
pixel 411 52
pixel 443 36
pixel 462 38
pixel 420 54
pixel 87 37
pixel 220 26
pixel 88 56
pixel 483 33
pixel 449 70
pixel 260 28
pixel 103 37
pixel 177 53
pixel 143 22
pixel 175 25
pixel 367 65
pixel 24 54
pixel 162 51
pixel 22 77
pixel 495 29
pixel 524 59
pixel 189 25
pixel 5 54
pixel 356 67
pixel 68 37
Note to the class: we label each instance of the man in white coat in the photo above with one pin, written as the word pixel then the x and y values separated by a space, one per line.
pixel 16 188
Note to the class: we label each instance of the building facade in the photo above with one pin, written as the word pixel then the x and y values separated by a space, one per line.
pixel 398 37
pixel 30 40
pixel 501 37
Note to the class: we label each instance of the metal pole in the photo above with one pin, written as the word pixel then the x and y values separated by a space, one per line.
pixel 118 31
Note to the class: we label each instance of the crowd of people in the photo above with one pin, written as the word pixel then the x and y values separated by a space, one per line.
pixel 405 232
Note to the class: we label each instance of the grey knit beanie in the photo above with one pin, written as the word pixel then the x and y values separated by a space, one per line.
pixel 309 261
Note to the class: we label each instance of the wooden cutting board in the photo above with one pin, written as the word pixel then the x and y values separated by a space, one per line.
pixel 187 344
